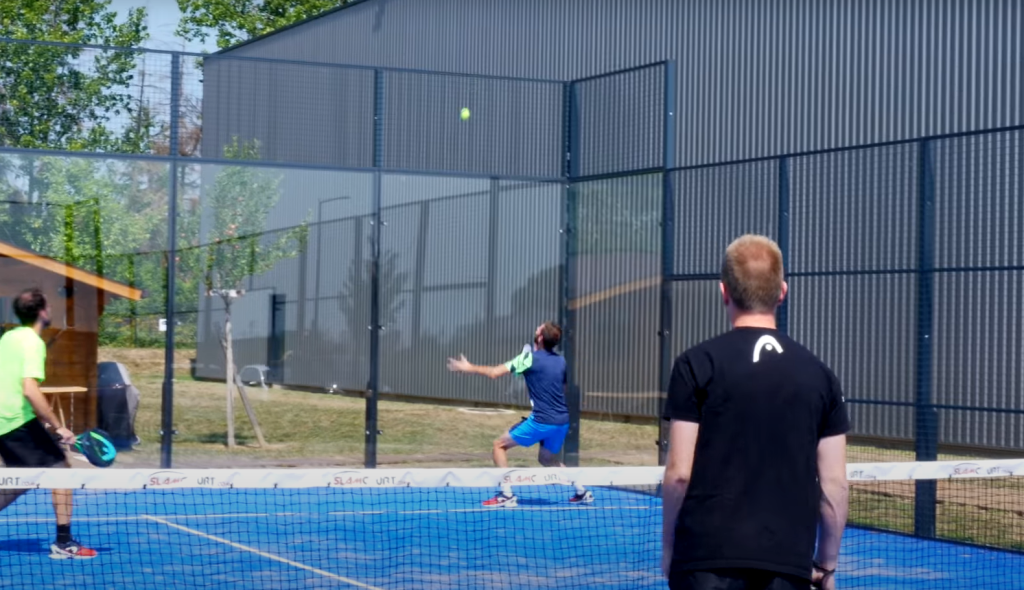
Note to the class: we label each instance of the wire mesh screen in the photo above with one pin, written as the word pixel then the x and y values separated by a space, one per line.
pixel 617 260
pixel 467 266
pixel 78 98
pixel 300 113
pixel 322 282
pixel 978 327
pixel 714 206
pixel 853 293
pixel 454 123
pixel 619 121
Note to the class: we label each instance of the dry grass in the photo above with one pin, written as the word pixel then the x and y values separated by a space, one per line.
pixel 320 429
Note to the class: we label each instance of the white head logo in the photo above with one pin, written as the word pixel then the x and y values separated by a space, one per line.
pixel 766 343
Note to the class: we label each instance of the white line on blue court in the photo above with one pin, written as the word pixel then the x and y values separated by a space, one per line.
pixel 516 509
pixel 316 515
pixel 148 517
pixel 296 564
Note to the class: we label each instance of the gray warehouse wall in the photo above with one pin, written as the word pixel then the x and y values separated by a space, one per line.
pixel 756 77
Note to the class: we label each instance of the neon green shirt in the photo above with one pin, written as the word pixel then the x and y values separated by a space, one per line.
pixel 22 356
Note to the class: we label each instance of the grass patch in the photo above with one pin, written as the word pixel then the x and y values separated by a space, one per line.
pixel 319 429
pixel 979 512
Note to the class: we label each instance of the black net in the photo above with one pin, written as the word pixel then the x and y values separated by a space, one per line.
pixel 426 528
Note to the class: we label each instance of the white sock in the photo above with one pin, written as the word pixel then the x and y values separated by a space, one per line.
pixel 580 490
pixel 506 489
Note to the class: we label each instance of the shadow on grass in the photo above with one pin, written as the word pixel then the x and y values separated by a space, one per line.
pixel 219 438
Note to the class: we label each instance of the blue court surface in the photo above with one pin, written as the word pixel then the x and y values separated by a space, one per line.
pixel 430 538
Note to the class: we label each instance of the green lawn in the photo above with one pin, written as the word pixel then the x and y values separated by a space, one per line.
pixel 981 512
pixel 320 429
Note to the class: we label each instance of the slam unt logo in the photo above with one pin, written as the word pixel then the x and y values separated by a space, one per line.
pixel 966 470
pixel 519 477
pixel 860 475
pixel 166 479
pixel 349 479
pixel 16 482
pixel 998 470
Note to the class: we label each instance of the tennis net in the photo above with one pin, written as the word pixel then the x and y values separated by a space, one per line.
pixel 426 528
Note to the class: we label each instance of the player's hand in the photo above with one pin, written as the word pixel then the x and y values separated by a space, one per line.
pixel 66 436
pixel 458 365
pixel 822 580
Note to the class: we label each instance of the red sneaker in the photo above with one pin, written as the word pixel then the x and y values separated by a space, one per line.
pixel 71 550
pixel 500 500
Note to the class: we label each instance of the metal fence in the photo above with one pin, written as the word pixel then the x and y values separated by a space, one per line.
pixel 429 235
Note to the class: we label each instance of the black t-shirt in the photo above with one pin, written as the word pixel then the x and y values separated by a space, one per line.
pixel 763 402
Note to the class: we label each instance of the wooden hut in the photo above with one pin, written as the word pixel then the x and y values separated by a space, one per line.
pixel 77 299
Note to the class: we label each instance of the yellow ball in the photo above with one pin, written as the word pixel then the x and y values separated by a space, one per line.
pixel 464 113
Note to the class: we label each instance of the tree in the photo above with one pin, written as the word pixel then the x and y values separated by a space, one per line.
pixel 61 97
pixel 239 247
pixel 235 21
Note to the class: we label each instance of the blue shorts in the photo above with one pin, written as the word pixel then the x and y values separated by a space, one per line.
pixel 530 432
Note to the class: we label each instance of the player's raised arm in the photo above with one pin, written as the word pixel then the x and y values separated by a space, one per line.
pixel 461 365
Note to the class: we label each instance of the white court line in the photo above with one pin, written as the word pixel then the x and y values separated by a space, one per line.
pixel 148 517
pixel 75 518
pixel 499 509
pixel 326 574
pixel 319 514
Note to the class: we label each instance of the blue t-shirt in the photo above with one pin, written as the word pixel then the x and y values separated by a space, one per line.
pixel 545 377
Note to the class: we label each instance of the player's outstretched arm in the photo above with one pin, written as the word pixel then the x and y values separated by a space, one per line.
pixel 461 365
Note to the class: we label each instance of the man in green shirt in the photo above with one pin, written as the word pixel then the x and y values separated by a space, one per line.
pixel 25 415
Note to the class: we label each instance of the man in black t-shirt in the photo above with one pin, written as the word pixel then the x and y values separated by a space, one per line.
pixel 757 447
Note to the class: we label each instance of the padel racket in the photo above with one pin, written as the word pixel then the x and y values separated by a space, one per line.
pixel 96 446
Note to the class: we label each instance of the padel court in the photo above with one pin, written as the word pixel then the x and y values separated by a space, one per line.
pixel 394 538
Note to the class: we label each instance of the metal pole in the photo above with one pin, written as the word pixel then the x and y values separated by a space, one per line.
pixel 167 394
pixel 668 235
pixel 373 387
pixel 926 435
pixel 573 395
pixel 782 318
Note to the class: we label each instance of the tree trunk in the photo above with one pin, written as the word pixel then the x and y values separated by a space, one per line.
pixel 229 374
pixel 231 378
pixel 249 411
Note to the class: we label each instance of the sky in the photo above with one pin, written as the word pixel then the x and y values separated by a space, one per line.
pixel 163 19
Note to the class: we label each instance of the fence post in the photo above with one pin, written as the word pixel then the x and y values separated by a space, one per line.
pixel 167 392
pixel 373 387
pixel 570 133
pixel 782 319
pixel 668 251
pixel 926 434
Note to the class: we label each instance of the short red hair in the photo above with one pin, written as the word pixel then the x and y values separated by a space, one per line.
pixel 752 273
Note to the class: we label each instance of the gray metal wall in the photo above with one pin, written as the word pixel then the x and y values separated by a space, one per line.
pixel 756 77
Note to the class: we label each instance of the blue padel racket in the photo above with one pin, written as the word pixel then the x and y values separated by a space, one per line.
pixel 96 447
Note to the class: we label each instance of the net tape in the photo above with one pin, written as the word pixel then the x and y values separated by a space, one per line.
pixel 126 479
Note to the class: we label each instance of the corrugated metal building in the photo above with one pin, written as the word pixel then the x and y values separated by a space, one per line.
pixel 755 78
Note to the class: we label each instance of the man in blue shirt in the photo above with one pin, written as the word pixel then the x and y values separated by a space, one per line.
pixel 545 375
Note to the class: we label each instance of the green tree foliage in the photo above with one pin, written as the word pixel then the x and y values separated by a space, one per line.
pixel 234 21
pixel 106 216
pixel 59 97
